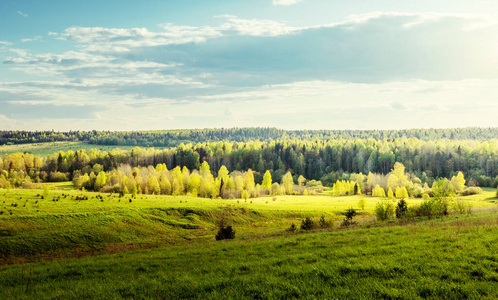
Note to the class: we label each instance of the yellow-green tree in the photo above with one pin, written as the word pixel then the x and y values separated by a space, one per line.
pixel 266 184
pixel 458 182
pixel 288 183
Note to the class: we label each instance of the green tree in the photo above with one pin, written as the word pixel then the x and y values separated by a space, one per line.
pixel 249 180
pixel 361 204
pixel 401 209
pixel 443 195
pixel 288 183
pixel 266 184
pixel 134 190
pixel 245 195
pixel 301 180
pixel 458 182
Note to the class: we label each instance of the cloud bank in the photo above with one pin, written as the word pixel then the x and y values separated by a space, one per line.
pixel 375 61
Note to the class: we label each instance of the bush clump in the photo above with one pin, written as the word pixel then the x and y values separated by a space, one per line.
pixel 401 209
pixel 384 210
pixel 348 217
pixel 225 233
pixel 324 223
pixel 473 190
pixel 307 224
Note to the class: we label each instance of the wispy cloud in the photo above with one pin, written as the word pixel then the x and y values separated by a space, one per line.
pixel 121 40
pixel 22 14
pixel 285 2
pixel 36 38
pixel 5 43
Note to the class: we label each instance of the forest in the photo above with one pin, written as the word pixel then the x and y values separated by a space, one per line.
pixel 327 161
pixel 170 138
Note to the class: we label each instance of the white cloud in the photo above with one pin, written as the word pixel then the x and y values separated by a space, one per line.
pixel 350 74
pixel 36 38
pixel 5 43
pixel 285 2
pixel 19 52
pixel 22 14
pixel 121 40
pixel 254 27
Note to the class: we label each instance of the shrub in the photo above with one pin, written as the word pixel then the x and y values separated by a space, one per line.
pixel 293 228
pixel 461 207
pixel 349 215
pixel 323 223
pixel 384 210
pixel 473 190
pixel 401 209
pixel 307 224
pixel 361 204
pixel 225 233
pixel 427 207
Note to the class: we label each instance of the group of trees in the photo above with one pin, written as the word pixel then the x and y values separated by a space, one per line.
pixel 395 184
pixel 181 181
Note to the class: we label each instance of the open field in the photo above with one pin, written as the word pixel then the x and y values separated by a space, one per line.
pixel 44 149
pixel 46 224
pixel 451 258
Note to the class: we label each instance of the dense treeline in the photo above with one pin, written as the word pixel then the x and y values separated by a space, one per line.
pixel 169 138
pixel 327 161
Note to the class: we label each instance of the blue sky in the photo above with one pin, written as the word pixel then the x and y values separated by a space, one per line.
pixel 309 64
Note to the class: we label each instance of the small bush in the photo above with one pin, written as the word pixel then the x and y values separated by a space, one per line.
pixel 459 206
pixel 401 209
pixel 225 233
pixel 307 224
pixel 349 215
pixel 426 208
pixel 473 190
pixel 293 228
pixel 384 210
pixel 323 223
pixel 361 204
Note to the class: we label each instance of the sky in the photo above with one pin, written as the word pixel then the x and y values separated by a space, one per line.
pixel 291 64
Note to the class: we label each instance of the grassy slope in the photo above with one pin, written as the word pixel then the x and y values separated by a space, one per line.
pixel 58 225
pixel 451 258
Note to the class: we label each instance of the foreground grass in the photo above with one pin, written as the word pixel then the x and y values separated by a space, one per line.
pixel 447 258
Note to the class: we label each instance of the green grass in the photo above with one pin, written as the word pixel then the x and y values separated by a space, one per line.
pixel 446 258
pixel 44 149
pixel 34 229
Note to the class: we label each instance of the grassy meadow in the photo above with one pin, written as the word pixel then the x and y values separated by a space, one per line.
pixel 60 242
pixel 44 149
pixel 450 258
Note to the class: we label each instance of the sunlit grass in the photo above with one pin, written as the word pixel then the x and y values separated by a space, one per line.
pixel 446 258
pixel 44 149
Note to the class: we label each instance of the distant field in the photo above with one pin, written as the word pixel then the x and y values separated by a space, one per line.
pixel 44 149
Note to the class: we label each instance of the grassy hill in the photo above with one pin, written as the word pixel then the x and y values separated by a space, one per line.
pixel 65 243
pixel 450 258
